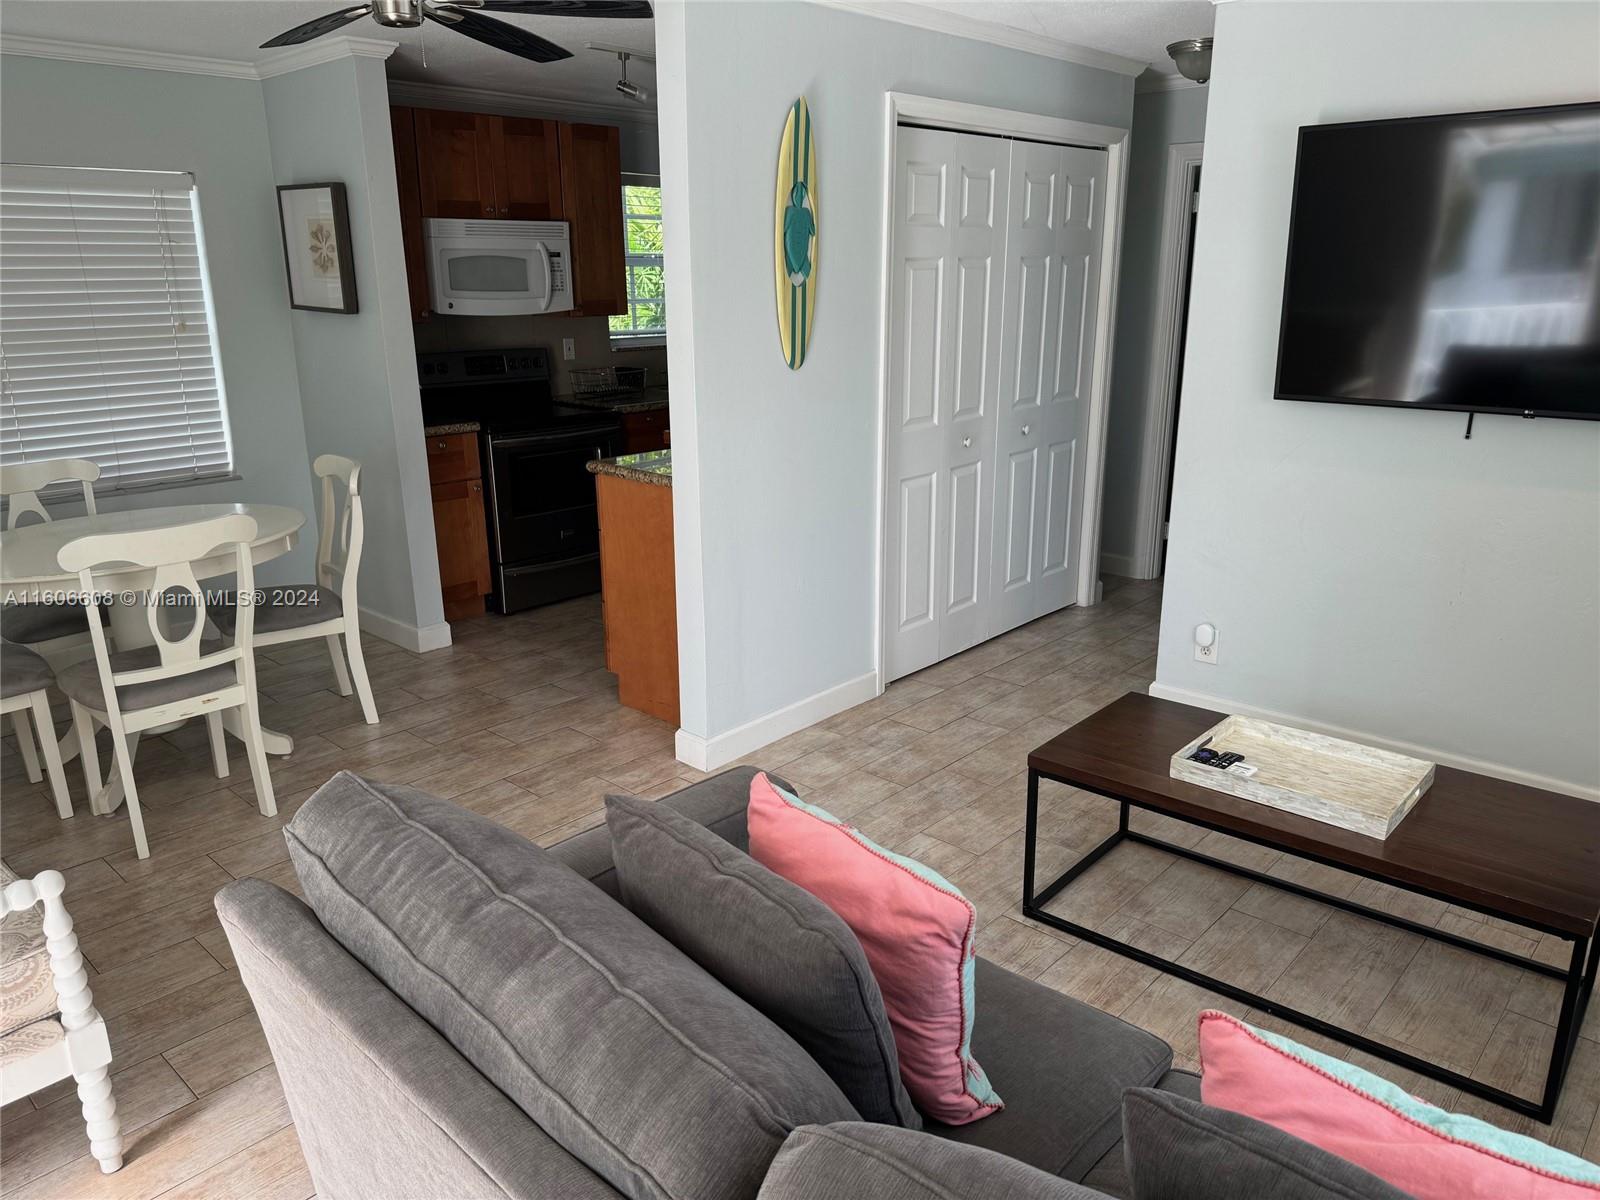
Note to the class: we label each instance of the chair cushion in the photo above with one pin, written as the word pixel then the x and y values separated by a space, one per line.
pixel 289 606
pixel 826 1162
pixel 916 929
pixel 42 622
pixel 772 942
pixel 1062 1066
pixel 22 1044
pixel 81 681
pixel 1180 1149
pixel 27 986
pixel 616 1043
pixel 22 671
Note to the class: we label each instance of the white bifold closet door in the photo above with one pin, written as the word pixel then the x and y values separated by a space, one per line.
pixel 994 277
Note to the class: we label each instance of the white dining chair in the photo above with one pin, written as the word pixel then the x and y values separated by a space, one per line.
pixel 35 623
pixel 328 608
pixel 49 1027
pixel 25 678
pixel 177 676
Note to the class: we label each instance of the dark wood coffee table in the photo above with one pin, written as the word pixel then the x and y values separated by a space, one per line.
pixel 1523 855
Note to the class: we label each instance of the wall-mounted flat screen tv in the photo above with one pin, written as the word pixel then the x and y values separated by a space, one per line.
pixel 1448 262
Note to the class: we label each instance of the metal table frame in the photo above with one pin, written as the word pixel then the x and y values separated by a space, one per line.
pixel 1578 977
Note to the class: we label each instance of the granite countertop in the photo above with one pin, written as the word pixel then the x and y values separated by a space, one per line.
pixel 654 466
pixel 452 427
pixel 648 400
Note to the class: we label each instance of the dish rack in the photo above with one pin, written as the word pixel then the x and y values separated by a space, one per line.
pixel 609 381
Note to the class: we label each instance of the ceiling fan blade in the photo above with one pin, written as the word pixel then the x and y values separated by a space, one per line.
pixel 571 8
pixel 315 29
pixel 498 34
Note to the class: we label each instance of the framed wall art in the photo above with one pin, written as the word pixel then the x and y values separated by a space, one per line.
pixel 315 219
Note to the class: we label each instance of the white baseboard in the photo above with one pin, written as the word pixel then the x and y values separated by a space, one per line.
pixel 709 754
pixel 1118 564
pixel 1430 753
pixel 419 639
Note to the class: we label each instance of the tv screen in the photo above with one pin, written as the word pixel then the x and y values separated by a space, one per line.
pixel 1447 262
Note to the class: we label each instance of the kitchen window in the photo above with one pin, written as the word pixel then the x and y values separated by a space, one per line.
pixel 645 322
pixel 107 335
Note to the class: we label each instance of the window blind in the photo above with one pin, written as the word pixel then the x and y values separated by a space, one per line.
pixel 107 345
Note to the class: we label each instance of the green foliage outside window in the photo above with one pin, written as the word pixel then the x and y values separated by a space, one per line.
pixel 647 283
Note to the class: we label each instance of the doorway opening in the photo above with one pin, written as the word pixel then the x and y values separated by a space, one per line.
pixel 1180 213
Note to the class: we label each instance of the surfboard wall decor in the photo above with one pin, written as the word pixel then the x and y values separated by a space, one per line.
pixel 795 234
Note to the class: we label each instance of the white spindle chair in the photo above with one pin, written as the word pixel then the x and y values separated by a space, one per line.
pixel 25 678
pixel 176 677
pixel 33 623
pixel 70 1041
pixel 328 609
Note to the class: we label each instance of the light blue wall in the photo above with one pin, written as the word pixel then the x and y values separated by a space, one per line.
pixel 1368 568
pixel 777 471
pixel 358 378
pixel 1160 120
pixel 83 115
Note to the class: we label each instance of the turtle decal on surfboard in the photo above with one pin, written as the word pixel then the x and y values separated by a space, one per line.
pixel 795 234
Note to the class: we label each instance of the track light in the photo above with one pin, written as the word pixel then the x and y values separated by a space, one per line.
pixel 631 90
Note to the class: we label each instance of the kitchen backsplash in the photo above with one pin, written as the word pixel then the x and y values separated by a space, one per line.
pixel 592 335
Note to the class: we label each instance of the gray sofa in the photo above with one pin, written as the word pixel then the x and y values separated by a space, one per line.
pixel 390 1105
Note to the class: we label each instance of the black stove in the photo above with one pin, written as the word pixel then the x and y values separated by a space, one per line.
pixel 544 530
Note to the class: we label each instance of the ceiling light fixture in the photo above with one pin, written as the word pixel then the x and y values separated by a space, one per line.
pixel 1193 57
pixel 631 90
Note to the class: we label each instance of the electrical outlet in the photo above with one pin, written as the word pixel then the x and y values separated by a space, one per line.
pixel 569 349
pixel 1205 642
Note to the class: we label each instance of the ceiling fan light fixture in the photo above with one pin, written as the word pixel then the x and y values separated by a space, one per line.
pixel 1193 58
pixel 397 14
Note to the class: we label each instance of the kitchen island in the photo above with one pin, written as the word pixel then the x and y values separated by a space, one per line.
pixel 638 579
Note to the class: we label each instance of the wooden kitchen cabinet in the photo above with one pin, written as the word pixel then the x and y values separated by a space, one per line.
pixel 640 601
pixel 460 526
pixel 403 128
pixel 527 168
pixel 479 165
pixel 591 182
pixel 455 163
pixel 644 431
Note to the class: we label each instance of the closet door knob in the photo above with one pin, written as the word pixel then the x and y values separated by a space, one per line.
pixel 1024 431
pixel 966 441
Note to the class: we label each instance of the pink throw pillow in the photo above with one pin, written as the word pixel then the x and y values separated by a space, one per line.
pixel 917 931
pixel 1365 1119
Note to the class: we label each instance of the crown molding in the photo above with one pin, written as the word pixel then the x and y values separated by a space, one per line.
pixel 514 104
pixel 122 56
pixel 1163 83
pixel 311 54
pixel 938 20
pixel 323 50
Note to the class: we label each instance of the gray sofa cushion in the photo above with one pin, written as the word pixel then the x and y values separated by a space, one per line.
pixel 719 803
pixel 383 1107
pixel 771 941
pixel 621 1048
pixel 831 1162
pixel 1110 1174
pixel 1180 1149
pixel 1062 1067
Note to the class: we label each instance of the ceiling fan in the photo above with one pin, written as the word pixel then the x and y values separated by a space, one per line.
pixel 461 16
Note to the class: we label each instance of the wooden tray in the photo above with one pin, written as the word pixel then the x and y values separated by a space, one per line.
pixel 1355 787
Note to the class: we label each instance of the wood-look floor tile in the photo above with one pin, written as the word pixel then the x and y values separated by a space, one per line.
pixel 1244 951
pixel 1019 948
pixel 848 796
pixel 900 695
pixel 152 977
pixel 995 815
pixel 935 751
pixel 272 1169
pixel 253 854
pixel 938 711
pixel 1101 891
pixel 1282 908
pixel 1170 1008
pixel 185 1013
pixel 44 1140
pixel 1446 1003
pixel 1098 977
pixel 219 1056
pixel 1346 970
pixel 128 941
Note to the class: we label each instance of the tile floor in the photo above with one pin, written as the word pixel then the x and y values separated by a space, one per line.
pixel 520 721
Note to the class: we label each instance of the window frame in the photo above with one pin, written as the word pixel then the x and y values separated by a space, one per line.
pixel 636 336
pixel 163 185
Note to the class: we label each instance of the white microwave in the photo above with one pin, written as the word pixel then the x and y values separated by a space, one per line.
pixel 499 268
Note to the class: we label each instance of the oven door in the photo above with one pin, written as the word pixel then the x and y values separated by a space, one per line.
pixel 543 495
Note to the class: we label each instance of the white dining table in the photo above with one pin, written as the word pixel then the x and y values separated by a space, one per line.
pixel 31 572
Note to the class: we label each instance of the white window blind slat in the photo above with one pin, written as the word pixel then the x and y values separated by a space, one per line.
pixel 107 343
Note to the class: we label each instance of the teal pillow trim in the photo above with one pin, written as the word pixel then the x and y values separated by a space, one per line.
pixel 977 1082
pixel 1457 1126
